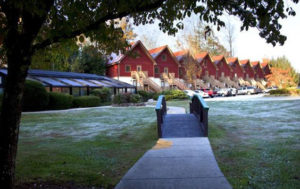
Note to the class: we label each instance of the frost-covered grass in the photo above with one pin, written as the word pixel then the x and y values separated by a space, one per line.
pixel 93 147
pixel 256 142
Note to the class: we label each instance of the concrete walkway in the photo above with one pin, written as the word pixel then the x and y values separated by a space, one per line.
pixel 176 163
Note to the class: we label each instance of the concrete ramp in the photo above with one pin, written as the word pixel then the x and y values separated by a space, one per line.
pixel 176 163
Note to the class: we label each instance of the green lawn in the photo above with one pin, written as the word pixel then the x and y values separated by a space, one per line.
pixel 93 147
pixel 256 143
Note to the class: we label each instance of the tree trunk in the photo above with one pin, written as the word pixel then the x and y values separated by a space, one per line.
pixel 11 115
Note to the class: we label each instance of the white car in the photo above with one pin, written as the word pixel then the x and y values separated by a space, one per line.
pixel 223 92
pixel 202 93
pixel 190 93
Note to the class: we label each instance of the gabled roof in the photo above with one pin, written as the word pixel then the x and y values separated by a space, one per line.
pixel 157 51
pixel 117 58
pixel 202 55
pixel 254 64
pixel 231 60
pixel 218 58
pixel 180 54
pixel 244 62
pixel 264 64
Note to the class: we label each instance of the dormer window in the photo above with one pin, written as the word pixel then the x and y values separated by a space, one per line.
pixel 163 57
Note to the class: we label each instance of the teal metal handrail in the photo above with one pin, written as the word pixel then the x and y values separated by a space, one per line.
pixel 161 111
pixel 199 108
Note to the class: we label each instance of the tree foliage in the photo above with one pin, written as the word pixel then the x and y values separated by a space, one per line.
pixel 200 39
pixel 284 64
pixel 280 77
pixel 59 56
pixel 89 60
pixel 192 68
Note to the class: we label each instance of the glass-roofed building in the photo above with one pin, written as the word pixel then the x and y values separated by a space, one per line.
pixel 76 84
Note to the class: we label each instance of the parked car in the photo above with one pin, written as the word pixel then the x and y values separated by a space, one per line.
pixel 202 93
pixel 224 92
pixel 267 90
pixel 247 90
pixel 209 92
pixel 189 93
pixel 233 91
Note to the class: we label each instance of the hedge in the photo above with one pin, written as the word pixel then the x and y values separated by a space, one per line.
pixel 59 101
pixel 145 96
pixel 86 101
pixel 285 92
pixel 126 98
pixel 174 94
pixel 35 96
pixel 104 94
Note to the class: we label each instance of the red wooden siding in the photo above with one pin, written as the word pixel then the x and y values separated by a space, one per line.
pixel 168 62
pixel 112 71
pixel 235 67
pixel 248 69
pixel 208 67
pixel 137 58
pixel 222 66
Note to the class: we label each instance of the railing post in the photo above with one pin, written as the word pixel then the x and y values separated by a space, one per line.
pixel 205 121
pixel 159 121
pixel 200 109
pixel 161 110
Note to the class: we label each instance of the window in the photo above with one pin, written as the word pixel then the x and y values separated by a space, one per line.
pixel 163 57
pixel 222 74
pixel 156 70
pixel 235 75
pixel 139 68
pixel 127 68
pixel 206 73
pixel 205 63
pixel 166 70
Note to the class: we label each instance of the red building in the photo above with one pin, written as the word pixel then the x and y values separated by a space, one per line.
pixel 137 58
pixel 206 63
pixel 180 56
pixel 259 74
pixel 166 61
pixel 266 67
pixel 237 70
pixel 249 72
pixel 224 69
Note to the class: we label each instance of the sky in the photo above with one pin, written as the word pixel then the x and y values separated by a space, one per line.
pixel 247 44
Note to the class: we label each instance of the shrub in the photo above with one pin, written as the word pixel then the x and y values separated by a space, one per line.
pixel 126 98
pixel 35 96
pixel 86 101
pixel 147 95
pixel 104 94
pixel 279 92
pixel 135 98
pixel 58 101
pixel 174 94
pixel 117 99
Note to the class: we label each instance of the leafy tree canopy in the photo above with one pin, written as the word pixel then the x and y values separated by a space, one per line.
pixel 284 64
pixel 89 60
